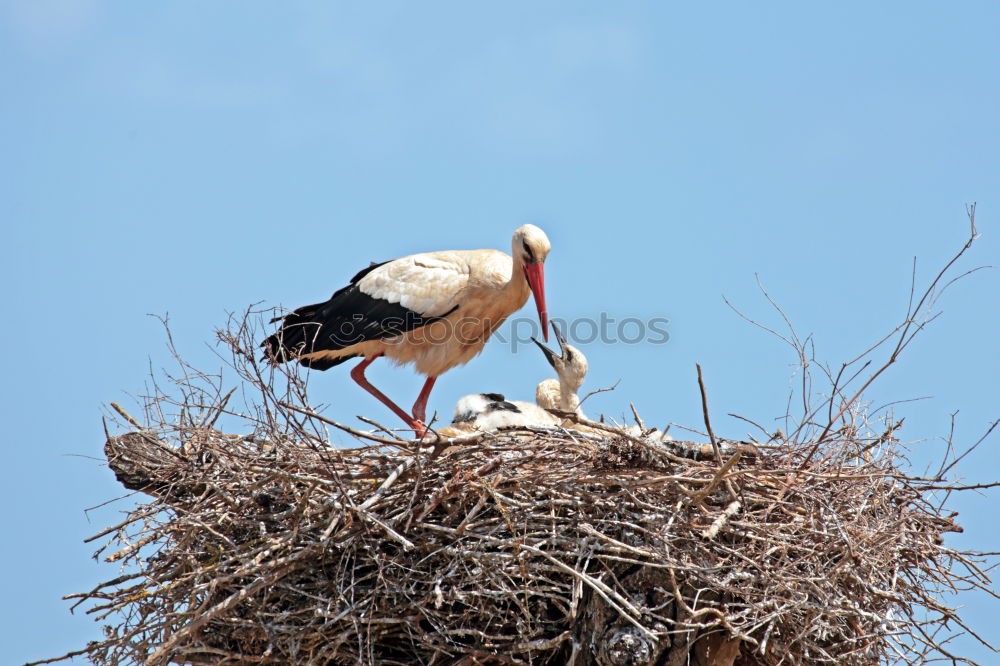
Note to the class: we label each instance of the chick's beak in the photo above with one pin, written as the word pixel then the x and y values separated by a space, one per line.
pixel 550 355
pixel 560 338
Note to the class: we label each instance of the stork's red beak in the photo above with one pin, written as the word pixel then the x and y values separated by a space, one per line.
pixel 535 274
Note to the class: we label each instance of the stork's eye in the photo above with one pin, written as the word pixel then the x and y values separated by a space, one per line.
pixel 569 355
pixel 527 251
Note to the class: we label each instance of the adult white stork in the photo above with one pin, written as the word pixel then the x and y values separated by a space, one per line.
pixel 435 310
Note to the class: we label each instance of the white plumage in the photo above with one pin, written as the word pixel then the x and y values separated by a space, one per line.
pixel 491 411
pixel 433 283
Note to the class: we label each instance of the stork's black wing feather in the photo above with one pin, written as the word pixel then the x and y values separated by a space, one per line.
pixel 349 317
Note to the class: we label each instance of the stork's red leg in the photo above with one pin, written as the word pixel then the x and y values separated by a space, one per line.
pixel 358 375
pixel 420 406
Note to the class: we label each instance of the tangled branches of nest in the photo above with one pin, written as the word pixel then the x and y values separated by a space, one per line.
pixel 521 547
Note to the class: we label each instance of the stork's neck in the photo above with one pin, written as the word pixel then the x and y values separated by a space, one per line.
pixel 517 288
pixel 569 401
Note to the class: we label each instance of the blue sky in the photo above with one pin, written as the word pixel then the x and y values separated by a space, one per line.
pixel 193 158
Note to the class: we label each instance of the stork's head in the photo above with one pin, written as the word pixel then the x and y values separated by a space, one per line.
pixel 570 364
pixel 529 248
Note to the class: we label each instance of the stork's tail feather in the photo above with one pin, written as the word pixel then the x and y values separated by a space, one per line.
pixel 296 336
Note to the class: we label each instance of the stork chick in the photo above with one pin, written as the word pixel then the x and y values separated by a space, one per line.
pixel 491 411
pixel 571 368
pixel 562 394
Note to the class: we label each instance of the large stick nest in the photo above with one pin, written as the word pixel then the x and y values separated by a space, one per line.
pixel 575 545
pixel 520 547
